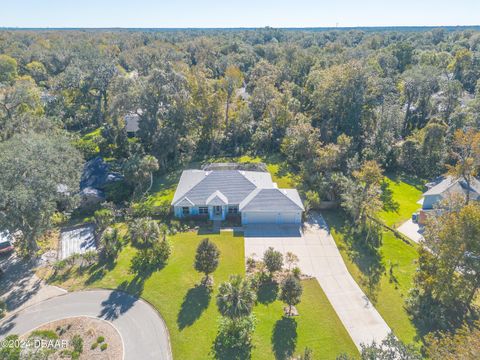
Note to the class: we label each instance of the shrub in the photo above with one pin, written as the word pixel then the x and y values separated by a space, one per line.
pixel 206 259
pixel 104 346
pixel 94 346
pixel 273 260
pixel 100 339
pixel 77 343
pixel 234 338
pixel 296 272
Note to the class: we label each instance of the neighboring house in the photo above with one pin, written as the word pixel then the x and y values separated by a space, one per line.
pixel 95 178
pixel 441 189
pixel 131 123
pixel 252 195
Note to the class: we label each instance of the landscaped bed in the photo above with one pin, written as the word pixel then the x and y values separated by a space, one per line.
pixel 65 338
pixel 191 313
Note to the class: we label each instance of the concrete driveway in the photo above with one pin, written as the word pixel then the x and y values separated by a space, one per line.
pixel 319 257
pixel 411 230
pixel 143 331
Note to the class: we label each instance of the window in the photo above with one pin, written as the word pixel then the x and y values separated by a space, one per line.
pixel 185 210
pixel 233 209
pixel 203 210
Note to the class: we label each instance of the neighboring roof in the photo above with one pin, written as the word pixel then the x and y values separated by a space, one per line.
pixel 452 185
pixel 272 200
pixel 131 122
pixel 97 174
pixel 92 193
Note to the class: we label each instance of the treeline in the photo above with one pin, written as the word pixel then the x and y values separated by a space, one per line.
pixel 338 105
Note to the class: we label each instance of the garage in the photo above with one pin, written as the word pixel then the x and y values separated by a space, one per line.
pixel 264 217
pixel 272 206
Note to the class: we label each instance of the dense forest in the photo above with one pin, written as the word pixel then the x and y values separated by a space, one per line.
pixel 339 107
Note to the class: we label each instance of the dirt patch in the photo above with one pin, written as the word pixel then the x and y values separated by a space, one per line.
pixel 99 339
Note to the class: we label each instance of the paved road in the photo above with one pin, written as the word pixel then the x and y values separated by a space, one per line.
pixel 144 333
pixel 20 287
pixel 319 257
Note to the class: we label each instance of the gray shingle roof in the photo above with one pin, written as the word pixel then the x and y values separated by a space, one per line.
pixel 452 185
pixel 251 190
pixel 272 200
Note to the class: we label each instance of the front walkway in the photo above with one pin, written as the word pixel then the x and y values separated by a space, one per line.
pixel 319 257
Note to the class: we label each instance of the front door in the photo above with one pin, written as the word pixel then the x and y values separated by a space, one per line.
pixel 217 210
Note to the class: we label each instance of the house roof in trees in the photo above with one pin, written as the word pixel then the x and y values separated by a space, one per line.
pixel 450 185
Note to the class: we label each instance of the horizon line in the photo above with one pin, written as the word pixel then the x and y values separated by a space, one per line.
pixel 236 28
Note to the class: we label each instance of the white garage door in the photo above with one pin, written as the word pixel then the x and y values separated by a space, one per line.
pixel 257 217
pixel 290 218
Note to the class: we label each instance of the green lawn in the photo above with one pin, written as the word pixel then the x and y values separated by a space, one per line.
pixel 191 315
pixel 405 192
pixel 385 277
pixel 387 290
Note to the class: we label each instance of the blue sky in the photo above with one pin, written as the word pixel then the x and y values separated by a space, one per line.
pixel 237 13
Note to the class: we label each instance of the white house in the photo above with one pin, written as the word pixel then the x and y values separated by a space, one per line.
pixel 441 189
pixel 217 194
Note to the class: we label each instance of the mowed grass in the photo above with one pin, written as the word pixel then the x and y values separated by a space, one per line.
pixel 388 277
pixel 405 193
pixel 386 281
pixel 317 327
pixel 191 314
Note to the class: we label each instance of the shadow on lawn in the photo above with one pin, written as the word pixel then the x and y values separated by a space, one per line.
pixel 267 291
pixel 284 338
pixel 389 204
pixel 366 256
pixel 195 302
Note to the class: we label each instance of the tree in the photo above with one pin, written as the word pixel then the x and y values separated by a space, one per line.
pixel 138 170
pixel 291 292
pixel 463 344
pixel 338 97
pixel 448 278
pixel 466 149
pixel 103 218
pixel 234 338
pixel 236 297
pixel 389 349
pixel 33 170
pixel 291 259
pixel 8 68
pixel 362 195
pixel 144 231
pixel 273 260
pixel 110 243
pixel 206 259
pixel 231 82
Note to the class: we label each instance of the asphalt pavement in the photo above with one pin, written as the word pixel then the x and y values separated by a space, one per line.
pixel 143 331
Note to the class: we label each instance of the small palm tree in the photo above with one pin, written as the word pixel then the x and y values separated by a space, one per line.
pixel 236 297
